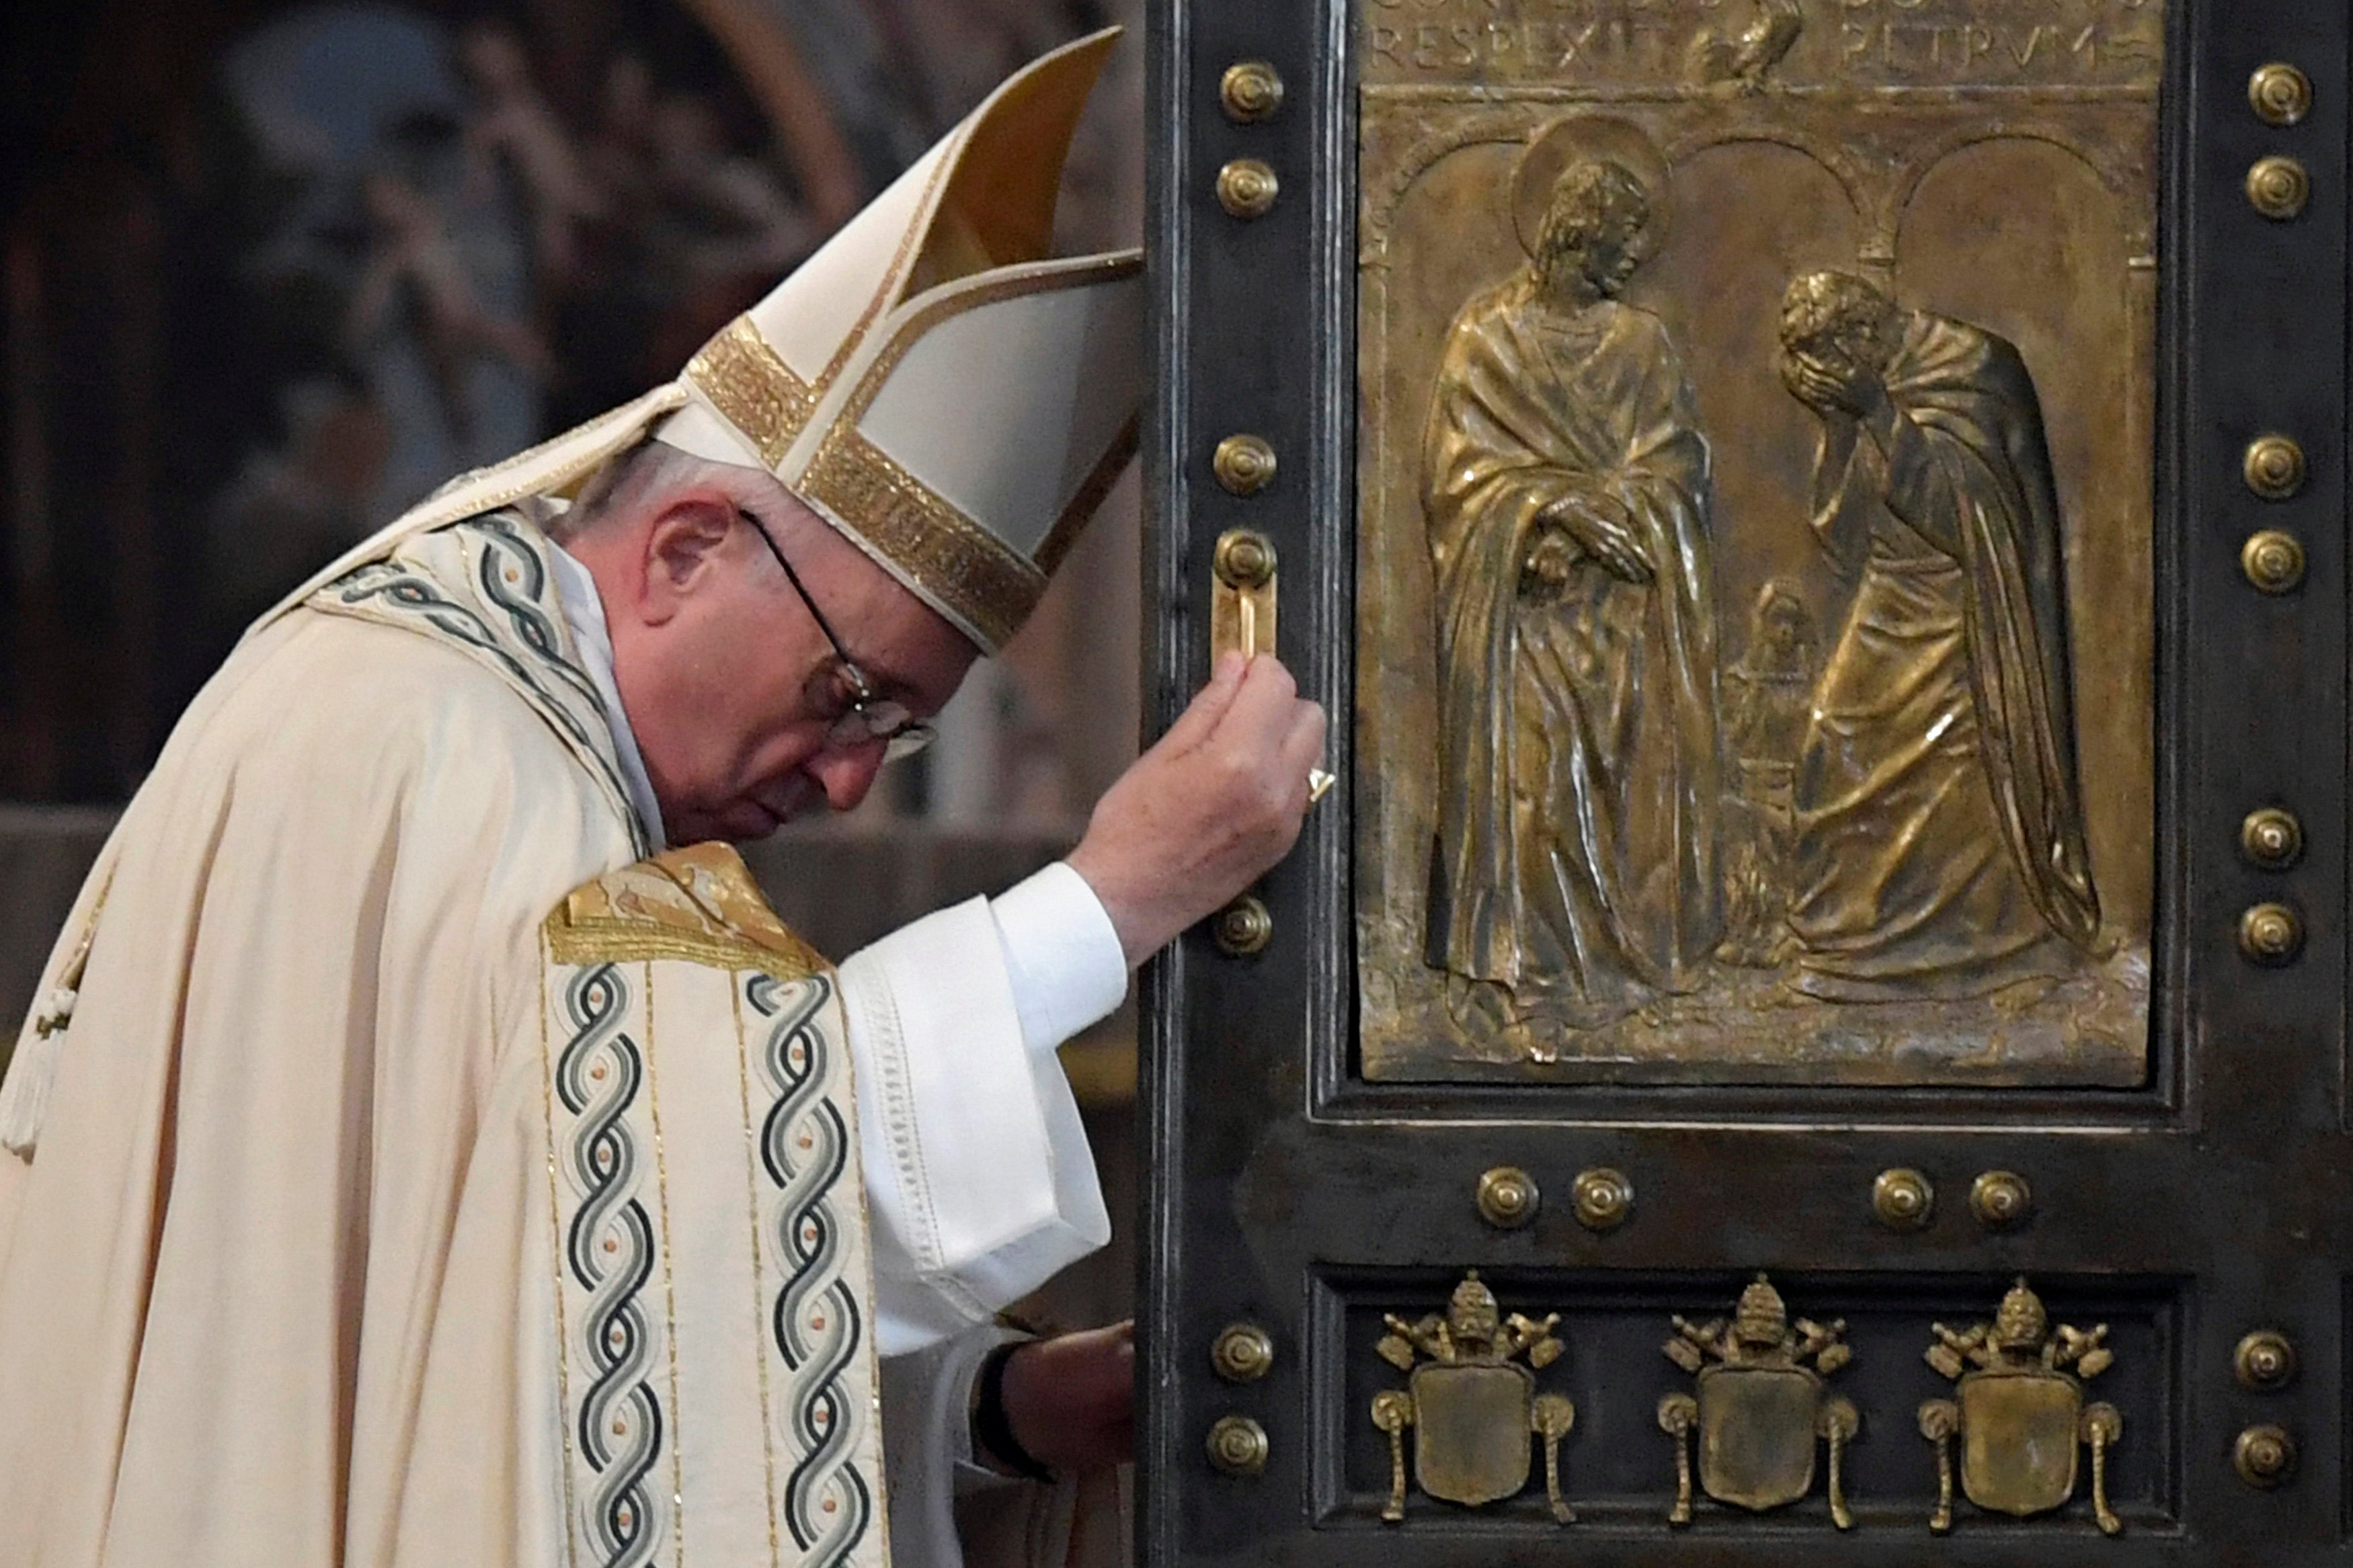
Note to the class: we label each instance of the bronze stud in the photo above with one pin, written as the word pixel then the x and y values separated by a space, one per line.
pixel 2278 187
pixel 2270 935
pixel 1903 1199
pixel 1249 91
pixel 2274 467
pixel 1602 1197
pixel 1237 1446
pixel 1242 1353
pixel 1508 1197
pixel 1244 464
pixel 2273 559
pixel 2001 1200
pixel 2264 1456
pixel 2279 93
pixel 1244 558
pixel 1247 188
pixel 2264 1361
pixel 1242 927
pixel 2271 838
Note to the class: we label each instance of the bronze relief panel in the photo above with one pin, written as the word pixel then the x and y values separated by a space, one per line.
pixel 1756 603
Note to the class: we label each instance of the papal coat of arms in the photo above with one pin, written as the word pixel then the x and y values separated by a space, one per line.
pixel 1472 1402
pixel 1760 1406
pixel 2019 1413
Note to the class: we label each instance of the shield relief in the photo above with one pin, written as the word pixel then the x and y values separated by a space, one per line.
pixel 1474 1424
pixel 2019 1441
pixel 1757 1434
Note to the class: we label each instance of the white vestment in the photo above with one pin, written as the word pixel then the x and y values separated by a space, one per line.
pixel 277 1286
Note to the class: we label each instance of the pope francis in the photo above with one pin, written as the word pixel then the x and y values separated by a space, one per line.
pixel 415 1159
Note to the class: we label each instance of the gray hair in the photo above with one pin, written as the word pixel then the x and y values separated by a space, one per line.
pixel 632 477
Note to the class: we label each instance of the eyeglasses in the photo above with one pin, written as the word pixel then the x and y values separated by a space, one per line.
pixel 868 718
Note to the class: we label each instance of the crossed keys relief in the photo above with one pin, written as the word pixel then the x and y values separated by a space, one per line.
pixel 1761 1406
pixel 1471 1402
pixel 2019 1413
pixel 1759 1419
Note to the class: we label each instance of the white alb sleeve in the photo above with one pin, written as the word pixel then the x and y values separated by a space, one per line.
pixel 980 1185
pixel 928 1461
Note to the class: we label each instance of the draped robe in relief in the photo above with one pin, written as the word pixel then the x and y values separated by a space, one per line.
pixel 1940 834
pixel 347 1156
pixel 1578 775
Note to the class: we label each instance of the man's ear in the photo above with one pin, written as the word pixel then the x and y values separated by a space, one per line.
pixel 682 546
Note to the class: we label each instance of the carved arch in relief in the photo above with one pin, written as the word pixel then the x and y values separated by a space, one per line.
pixel 1381 202
pixel 1853 181
pixel 2107 165
pixel 1519 124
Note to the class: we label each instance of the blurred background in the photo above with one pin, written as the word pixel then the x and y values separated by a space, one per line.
pixel 272 271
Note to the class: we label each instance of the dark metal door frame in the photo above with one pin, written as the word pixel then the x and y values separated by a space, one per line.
pixel 1278 1182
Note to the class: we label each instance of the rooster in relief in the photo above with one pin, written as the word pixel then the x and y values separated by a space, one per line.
pixel 1742 61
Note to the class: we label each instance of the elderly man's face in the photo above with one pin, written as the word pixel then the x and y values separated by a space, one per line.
pixel 732 689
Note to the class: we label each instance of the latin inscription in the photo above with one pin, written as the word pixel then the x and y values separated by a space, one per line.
pixel 1799 43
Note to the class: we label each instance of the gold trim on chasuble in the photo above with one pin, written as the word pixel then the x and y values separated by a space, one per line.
pixel 614 1355
pixel 496 603
pixel 622 1113
pixel 698 903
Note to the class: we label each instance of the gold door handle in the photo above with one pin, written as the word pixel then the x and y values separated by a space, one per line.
pixel 1242 603
pixel 1242 599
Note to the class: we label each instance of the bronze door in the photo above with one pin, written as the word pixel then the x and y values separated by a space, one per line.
pixel 1811 1028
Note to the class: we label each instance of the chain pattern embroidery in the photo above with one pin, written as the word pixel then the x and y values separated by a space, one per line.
pixel 804 1149
pixel 610 1251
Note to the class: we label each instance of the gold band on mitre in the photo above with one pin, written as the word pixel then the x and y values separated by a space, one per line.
pixel 820 444
pixel 958 564
pixel 965 572
pixel 932 380
pixel 945 555
pixel 751 387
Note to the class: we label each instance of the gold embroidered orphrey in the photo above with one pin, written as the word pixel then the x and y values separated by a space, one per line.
pixel 1761 1405
pixel 1472 1402
pixel 2020 1413
pixel 693 1053
pixel 698 903
pixel 1754 590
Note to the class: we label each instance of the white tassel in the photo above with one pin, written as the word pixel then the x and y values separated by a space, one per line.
pixel 33 1072
pixel 24 1097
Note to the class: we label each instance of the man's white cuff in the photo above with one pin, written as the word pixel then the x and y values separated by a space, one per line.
pixel 1063 955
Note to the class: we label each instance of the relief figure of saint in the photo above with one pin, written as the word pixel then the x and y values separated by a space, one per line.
pixel 1565 484
pixel 1940 834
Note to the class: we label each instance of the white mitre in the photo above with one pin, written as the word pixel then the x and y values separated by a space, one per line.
pixel 932 382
